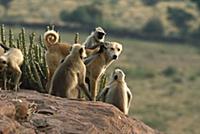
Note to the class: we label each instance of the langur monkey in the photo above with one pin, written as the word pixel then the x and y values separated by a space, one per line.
pixel 94 38
pixel 11 61
pixel 57 51
pixel 70 75
pixel 99 62
pixel 117 92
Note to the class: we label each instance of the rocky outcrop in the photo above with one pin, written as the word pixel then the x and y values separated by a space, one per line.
pixel 30 112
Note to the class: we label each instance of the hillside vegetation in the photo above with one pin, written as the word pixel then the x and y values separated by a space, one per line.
pixel 178 18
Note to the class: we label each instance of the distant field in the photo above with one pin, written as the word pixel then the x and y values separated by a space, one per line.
pixel 133 14
pixel 164 79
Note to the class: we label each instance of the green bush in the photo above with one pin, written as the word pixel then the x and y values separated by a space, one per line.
pixel 154 26
pixel 197 3
pixel 65 15
pixel 5 3
pixel 192 78
pixel 150 2
pixel 88 14
pixel 180 18
pixel 196 33
pixel 169 71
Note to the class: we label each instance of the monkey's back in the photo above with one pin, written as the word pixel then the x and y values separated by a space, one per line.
pixel 15 55
pixel 64 79
pixel 118 97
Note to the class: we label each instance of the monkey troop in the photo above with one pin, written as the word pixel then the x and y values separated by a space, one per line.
pixel 57 51
pixel 75 68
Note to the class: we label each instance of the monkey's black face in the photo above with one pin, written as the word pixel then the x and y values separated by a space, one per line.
pixel 82 53
pixel 100 35
pixel 115 77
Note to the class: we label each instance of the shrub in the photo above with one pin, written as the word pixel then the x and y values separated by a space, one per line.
pixel 197 3
pixel 150 2
pixel 84 14
pixel 192 78
pixel 154 26
pixel 5 3
pixel 196 33
pixel 169 71
pixel 180 18
pixel 65 15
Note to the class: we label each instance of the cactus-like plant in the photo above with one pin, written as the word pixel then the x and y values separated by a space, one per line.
pixel 34 67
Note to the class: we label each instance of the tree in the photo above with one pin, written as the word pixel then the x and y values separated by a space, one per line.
pixel 154 27
pixel 197 3
pixel 196 33
pixel 150 2
pixel 180 18
pixel 84 14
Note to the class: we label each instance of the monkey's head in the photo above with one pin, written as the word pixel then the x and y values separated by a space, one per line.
pixel 3 63
pixel 118 74
pixel 78 49
pixel 113 50
pixel 99 34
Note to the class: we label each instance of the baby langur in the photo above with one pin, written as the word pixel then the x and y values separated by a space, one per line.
pixel 94 38
pixel 117 92
pixel 99 62
pixel 11 61
pixel 70 75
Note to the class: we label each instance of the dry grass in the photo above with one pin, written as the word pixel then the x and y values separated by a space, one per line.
pixel 160 101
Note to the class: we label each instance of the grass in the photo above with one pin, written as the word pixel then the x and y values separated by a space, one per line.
pixel 160 100
pixel 169 104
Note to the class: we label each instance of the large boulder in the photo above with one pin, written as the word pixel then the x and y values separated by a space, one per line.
pixel 30 112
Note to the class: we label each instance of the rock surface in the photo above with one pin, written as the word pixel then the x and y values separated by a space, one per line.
pixel 30 112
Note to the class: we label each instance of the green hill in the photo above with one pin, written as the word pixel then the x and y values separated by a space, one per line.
pixel 166 17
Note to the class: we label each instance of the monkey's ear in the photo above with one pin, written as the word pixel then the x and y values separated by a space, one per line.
pixel 62 61
pixel 106 44
pixel 115 77
pixel 70 49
